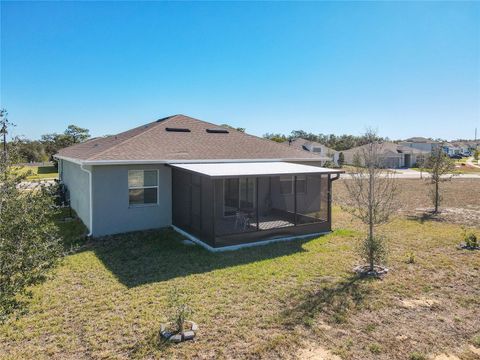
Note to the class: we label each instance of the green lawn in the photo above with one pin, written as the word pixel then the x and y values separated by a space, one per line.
pixel 108 299
pixel 39 172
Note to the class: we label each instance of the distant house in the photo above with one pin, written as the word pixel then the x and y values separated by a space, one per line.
pixel 325 152
pixel 421 143
pixel 452 149
pixel 218 186
pixel 393 155
pixel 462 148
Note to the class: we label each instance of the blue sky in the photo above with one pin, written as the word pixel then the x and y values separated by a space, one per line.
pixel 407 69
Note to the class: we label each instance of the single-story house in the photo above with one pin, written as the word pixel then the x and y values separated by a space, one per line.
pixel 458 148
pixel 323 151
pixel 220 187
pixel 453 149
pixel 393 155
pixel 421 143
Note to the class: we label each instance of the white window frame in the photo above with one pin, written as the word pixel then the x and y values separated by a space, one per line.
pixel 143 187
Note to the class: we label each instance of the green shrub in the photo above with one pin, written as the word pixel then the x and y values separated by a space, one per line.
pixel 179 308
pixel 375 348
pixel 30 244
pixel 471 240
pixel 476 341
pixel 417 356
pixel 410 258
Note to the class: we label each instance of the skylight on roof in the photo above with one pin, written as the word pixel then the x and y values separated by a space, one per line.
pixel 217 131
pixel 177 129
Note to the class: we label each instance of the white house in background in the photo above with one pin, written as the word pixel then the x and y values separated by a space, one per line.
pixel 456 149
pixel 463 148
pixel 315 147
pixel 421 143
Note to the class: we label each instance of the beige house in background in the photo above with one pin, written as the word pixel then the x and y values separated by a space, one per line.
pixel 393 155
pixel 421 143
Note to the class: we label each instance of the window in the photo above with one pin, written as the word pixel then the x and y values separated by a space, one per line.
pixel 301 184
pixel 238 195
pixel 287 184
pixel 142 187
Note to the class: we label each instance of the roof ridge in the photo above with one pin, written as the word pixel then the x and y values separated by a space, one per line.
pixel 154 125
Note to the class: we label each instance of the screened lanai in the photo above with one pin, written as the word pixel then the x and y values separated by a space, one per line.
pixel 225 204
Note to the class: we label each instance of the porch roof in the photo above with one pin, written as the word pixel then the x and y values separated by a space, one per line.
pixel 254 169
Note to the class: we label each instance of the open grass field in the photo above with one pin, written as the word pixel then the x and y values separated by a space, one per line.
pixel 107 300
pixel 460 204
pixel 39 172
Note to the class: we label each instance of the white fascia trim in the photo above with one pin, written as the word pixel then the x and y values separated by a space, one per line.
pixel 75 161
pixel 241 246
pixel 176 161
pixel 90 213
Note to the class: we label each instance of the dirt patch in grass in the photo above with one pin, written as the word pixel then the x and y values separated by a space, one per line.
pixel 316 352
pixel 416 303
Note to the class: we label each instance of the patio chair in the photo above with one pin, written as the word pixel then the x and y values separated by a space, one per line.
pixel 241 220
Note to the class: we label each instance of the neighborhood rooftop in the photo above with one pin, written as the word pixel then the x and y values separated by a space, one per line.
pixel 390 147
pixel 177 138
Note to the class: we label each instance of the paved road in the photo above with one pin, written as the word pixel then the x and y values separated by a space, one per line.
pixel 413 174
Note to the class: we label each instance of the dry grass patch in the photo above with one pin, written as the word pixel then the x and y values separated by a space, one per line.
pixel 461 203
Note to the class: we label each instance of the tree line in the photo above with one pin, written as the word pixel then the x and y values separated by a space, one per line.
pixel 48 145
pixel 335 142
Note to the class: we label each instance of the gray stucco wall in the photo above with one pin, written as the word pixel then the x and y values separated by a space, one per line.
pixel 77 182
pixel 111 211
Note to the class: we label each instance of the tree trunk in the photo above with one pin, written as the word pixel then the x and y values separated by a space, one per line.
pixel 370 218
pixel 436 198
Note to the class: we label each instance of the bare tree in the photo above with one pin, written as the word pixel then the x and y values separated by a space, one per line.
pixel 421 162
pixel 441 169
pixel 371 197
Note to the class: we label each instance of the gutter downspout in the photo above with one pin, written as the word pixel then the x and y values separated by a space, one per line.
pixel 330 180
pixel 90 214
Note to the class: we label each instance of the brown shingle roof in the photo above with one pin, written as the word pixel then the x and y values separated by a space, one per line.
pixel 153 142
pixel 300 143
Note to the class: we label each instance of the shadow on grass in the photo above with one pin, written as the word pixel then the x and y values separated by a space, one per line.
pixel 332 298
pixel 46 170
pixel 158 255
pixel 423 216
pixel 72 230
